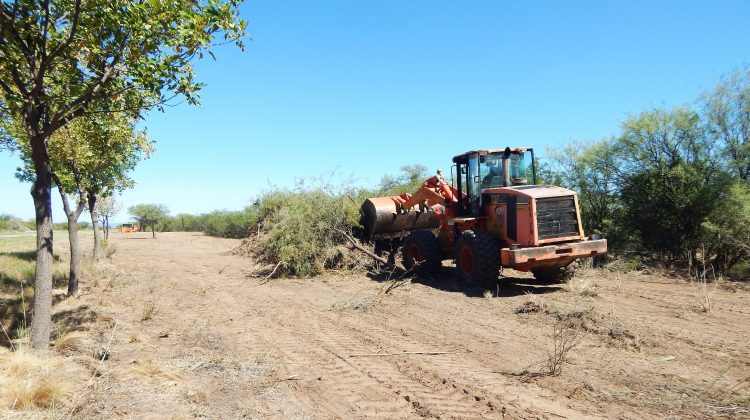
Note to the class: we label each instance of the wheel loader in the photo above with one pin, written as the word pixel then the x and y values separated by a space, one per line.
pixel 488 217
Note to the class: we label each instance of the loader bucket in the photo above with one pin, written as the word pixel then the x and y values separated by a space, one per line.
pixel 382 219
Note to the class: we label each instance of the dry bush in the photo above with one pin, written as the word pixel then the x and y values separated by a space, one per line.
pixel 149 310
pixel 31 381
pixel 566 335
pixel 705 283
pixel 109 250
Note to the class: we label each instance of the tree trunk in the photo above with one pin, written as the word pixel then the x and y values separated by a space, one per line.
pixel 41 193
pixel 106 227
pixel 94 225
pixel 75 256
pixel 75 249
pixel 153 233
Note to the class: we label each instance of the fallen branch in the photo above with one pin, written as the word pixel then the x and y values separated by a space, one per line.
pixel 426 353
pixel 268 277
pixel 360 248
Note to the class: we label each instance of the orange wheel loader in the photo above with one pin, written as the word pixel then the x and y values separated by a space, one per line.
pixel 487 218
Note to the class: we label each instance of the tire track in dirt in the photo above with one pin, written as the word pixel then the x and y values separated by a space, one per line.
pixel 332 338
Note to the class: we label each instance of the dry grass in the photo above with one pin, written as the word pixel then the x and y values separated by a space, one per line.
pixel 149 310
pixel 364 304
pixel 149 369
pixel 109 250
pixel 29 381
pixel 583 284
pixel 71 343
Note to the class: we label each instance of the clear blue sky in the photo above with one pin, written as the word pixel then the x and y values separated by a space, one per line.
pixel 364 87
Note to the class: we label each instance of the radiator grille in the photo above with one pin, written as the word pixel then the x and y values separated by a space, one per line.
pixel 556 217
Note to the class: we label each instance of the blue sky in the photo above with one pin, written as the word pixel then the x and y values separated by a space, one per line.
pixel 364 87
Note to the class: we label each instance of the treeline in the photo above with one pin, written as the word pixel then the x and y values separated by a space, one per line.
pixel 221 223
pixel 14 224
pixel 673 187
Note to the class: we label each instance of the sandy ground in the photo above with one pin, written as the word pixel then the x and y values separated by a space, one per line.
pixel 191 335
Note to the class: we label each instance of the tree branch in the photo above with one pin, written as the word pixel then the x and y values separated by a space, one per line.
pixel 39 80
pixel 78 106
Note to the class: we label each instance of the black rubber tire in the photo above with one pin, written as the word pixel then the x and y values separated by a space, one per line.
pixel 477 257
pixel 422 246
pixel 555 274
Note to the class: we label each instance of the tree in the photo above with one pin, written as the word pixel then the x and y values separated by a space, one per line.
pixel 107 207
pixel 61 58
pixel 727 110
pixel 410 179
pixel 671 181
pixel 90 156
pixel 149 215
pixel 591 170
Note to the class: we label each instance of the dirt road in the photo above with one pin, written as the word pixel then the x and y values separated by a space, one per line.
pixel 193 336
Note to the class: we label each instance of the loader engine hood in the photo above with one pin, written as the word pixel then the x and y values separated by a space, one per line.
pixel 534 215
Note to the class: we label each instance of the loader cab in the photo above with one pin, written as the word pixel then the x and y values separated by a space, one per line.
pixel 478 170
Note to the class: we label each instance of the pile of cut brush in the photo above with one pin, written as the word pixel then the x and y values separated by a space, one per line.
pixel 307 233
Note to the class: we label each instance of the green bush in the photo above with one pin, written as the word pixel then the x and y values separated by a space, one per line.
pixel 302 230
pixel 9 222
pixel 221 223
pixel 229 224
pixel 64 225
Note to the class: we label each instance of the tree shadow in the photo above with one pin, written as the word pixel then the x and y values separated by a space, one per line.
pixel 26 255
pixel 15 316
pixel 448 281
pixel 12 284
pixel 73 320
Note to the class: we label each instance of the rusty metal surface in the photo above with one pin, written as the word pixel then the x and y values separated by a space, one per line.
pixel 564 252
pixel 382 219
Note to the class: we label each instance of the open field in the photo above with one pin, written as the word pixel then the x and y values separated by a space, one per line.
pixel 190 335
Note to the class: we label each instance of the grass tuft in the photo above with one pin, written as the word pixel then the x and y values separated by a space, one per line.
pixel 70 343
pixel 149 310
pixel 31 381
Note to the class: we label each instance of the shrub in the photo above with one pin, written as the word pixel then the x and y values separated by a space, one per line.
pixel 9 222
pixel 229 224
pixel 301 230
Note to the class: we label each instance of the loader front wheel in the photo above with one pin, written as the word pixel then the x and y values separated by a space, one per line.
pixel 555 274
pixel 421 253
pixel 477 257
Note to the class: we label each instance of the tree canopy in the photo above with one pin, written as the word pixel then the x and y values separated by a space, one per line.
pixel 62 59
pixel 149 215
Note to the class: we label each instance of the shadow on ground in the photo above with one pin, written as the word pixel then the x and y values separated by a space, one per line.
pixel 15 316
pixel 448 281
pixel 26 255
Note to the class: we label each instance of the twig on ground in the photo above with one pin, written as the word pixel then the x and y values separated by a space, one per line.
pixel 269 276
pixel 95 374
pixel 426 353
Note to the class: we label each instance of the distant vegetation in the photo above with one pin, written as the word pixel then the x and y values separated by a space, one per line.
pixel 14 224
pixel 672 188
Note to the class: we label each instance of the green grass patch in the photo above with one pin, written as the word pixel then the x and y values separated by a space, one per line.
pixel 17 269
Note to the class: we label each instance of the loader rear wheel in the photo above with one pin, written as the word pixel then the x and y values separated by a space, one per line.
pixel 477 257
pixel 421 252
pixel 555 274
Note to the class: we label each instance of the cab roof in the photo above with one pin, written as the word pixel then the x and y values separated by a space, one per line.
pixel 491 151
